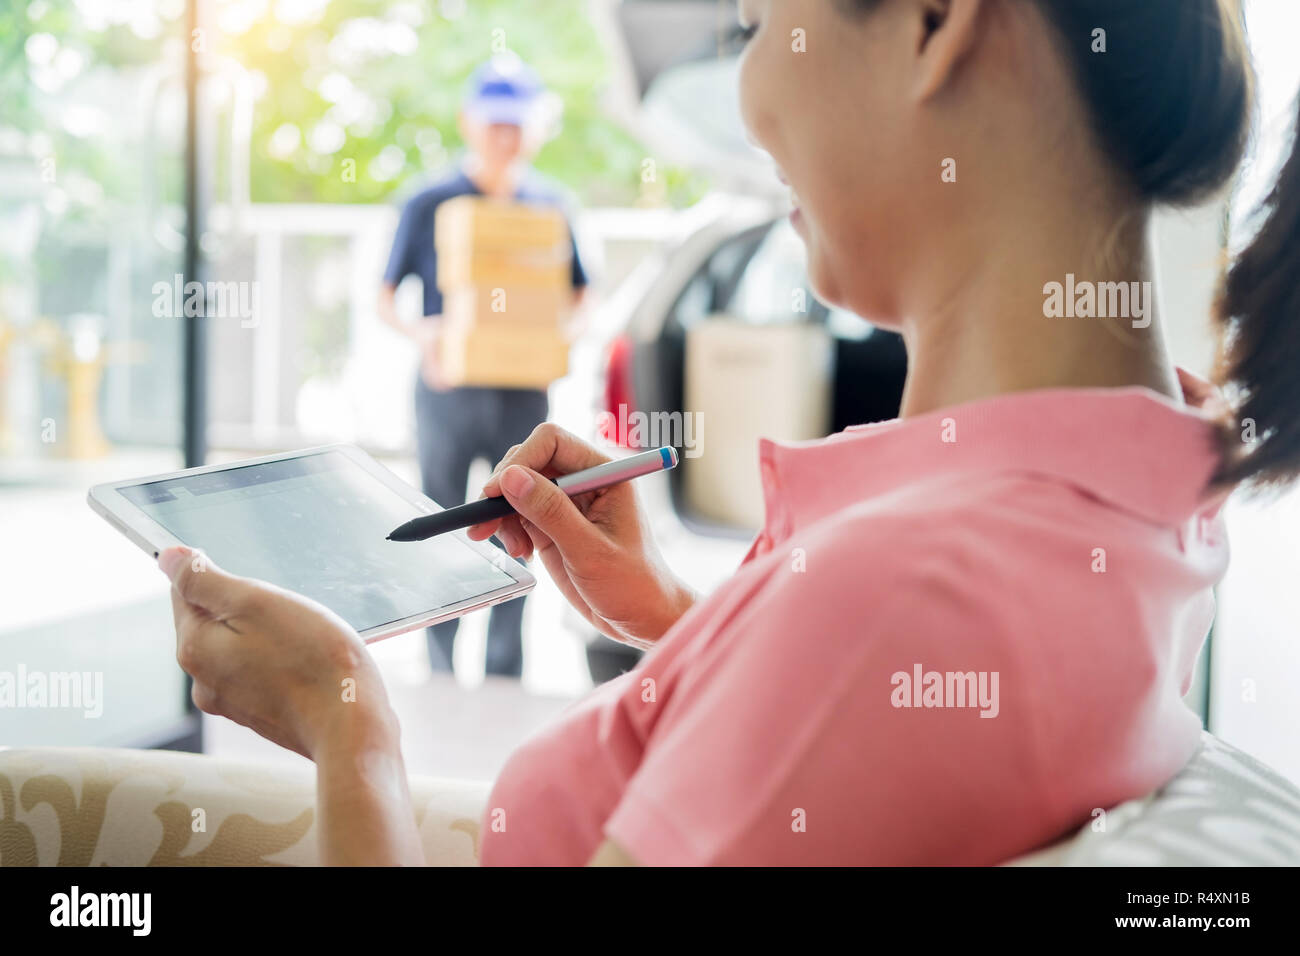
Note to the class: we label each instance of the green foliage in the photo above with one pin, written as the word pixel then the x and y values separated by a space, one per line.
pixel 373 82
pixel 38 93
pixel 402 69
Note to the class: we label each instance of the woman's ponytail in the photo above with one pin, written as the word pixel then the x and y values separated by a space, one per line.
pixel 1258 312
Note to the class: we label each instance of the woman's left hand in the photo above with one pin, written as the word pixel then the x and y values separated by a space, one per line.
pixel 269 659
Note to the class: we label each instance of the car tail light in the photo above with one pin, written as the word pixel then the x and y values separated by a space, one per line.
pixel 618 392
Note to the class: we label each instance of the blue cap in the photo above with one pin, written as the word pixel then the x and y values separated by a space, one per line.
pixel 503 90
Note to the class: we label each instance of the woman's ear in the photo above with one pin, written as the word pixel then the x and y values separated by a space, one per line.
pixel 946 33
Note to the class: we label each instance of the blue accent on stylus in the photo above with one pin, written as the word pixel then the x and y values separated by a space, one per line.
pixel 667 457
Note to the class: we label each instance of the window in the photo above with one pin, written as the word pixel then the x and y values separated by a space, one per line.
pixel 91 222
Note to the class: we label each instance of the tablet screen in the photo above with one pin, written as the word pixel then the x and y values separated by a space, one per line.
pixel 317 525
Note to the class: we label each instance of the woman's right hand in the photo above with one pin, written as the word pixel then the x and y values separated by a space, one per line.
pixel 597 546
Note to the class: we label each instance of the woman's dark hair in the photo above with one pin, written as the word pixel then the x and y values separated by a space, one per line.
pixel 1258 312
pixel 1171 100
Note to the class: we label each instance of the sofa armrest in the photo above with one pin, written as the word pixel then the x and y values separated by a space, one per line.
pixel 81 806
pixel 1224 808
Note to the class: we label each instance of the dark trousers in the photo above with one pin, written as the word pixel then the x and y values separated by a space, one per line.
pixel 453 428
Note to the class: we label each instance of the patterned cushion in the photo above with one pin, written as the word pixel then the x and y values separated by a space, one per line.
pixel 102 807
pixel 1224 809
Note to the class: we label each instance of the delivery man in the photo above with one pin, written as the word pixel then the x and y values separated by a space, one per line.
pixel 454 426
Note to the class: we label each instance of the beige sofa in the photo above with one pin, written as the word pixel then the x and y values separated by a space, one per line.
pixel 97 807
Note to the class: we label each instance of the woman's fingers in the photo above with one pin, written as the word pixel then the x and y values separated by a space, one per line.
pixel 201 641
pixel 200 582
pixel 202 595
pixel 553 561
pixel 507 529
pixel 518 544
pixel 549 450
pixel 206 699
pixel 544 504
pixel 481 532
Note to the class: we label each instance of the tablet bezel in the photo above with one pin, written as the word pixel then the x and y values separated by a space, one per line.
pixel 153 538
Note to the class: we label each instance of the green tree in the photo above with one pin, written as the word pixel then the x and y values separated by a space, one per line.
pixel 360 100
pixel 354 98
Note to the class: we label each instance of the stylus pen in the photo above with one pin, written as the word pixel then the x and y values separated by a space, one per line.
pixel 486 509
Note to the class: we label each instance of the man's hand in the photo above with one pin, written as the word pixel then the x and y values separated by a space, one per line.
pixel 425 335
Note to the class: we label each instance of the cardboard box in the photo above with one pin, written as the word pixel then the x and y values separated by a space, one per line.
pixel 493 243
pixel 748 382
pixel 505 271
pixel 502 355
pixel 539 269
pixel 540 306
pixel 479 222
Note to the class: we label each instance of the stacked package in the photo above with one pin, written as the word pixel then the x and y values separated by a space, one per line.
pixel 505 273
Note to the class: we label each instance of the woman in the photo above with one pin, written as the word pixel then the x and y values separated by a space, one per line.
pixel 961 631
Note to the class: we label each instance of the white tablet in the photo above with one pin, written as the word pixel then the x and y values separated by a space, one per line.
pixel 315 522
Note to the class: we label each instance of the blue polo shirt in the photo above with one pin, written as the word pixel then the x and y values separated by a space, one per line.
pixel 413 252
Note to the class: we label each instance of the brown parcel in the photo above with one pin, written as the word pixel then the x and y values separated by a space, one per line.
pixel 492 254
pixel 537 306
pixel 502 355
pixel 473 221
pixel 545 269
pixel 497 243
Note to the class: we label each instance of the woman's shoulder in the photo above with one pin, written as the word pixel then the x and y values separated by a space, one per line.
pixel 990 560
pixel 972 524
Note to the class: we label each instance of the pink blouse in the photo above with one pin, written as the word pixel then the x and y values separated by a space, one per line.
pixel 956 636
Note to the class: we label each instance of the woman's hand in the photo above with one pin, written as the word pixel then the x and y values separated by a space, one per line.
pixel 597 547
pixel 298 675
pixel 272 660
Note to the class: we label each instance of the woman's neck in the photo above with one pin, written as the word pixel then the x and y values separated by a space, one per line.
pixel 999 325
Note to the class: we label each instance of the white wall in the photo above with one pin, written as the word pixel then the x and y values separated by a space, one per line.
pixel 1189 250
